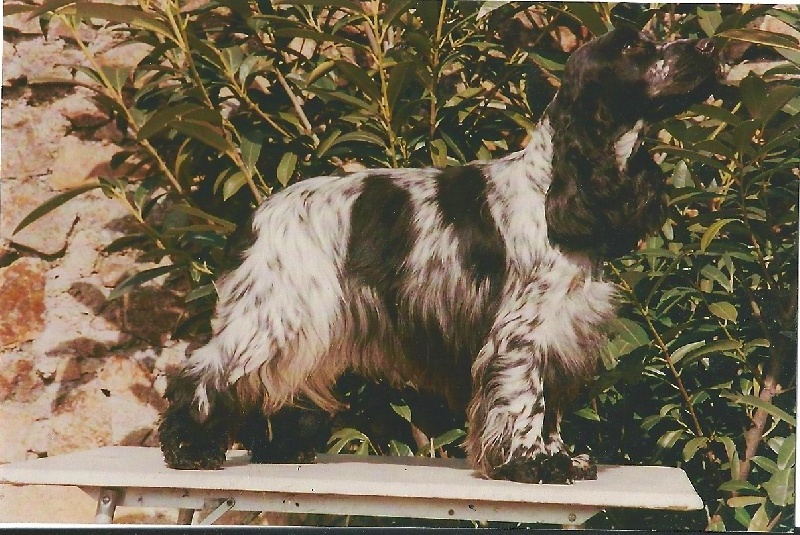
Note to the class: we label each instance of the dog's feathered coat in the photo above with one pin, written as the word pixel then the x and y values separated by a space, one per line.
pixel 478 282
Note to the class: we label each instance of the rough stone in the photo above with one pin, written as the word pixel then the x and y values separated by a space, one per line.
pixel 25 127
pixel 151 314
pixel 45 504
pixel 80 109
pixel 81 422
pixel 114 268
pixel 47 235
pixel 118 406
pixel 15 422
pixel 41 58
pixel 124 54
pixel 79 163
pixel 18 378
pixel 22 294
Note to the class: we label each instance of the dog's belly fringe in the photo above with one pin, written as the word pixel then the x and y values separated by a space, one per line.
pixel 290 319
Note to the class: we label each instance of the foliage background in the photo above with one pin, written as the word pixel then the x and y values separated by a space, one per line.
pixel 240 98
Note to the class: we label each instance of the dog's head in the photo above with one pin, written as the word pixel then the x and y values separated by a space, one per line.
pixel 623 77
pixel 606 192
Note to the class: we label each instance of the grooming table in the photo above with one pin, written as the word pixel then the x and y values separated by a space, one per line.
pixel 348 485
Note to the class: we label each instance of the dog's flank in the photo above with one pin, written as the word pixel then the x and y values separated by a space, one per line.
pixel 477 282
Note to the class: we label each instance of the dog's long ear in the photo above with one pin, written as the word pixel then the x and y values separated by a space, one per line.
pixel 593 205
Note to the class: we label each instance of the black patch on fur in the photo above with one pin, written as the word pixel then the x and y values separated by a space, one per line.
pixel 462 196
pixel 381 238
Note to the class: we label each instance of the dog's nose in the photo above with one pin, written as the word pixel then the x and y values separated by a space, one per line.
pixel 705 47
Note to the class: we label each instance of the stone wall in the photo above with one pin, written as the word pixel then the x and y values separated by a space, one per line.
pixel 76 372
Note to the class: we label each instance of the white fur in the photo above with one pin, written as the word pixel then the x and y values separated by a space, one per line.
pixel 627 144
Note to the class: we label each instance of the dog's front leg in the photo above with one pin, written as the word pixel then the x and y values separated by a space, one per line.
pixel 506 437
pixel 513 429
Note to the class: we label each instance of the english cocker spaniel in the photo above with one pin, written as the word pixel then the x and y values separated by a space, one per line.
pixel 480 282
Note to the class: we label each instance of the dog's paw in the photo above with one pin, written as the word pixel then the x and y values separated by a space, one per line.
pixel 186 456
pixel 542 468
pixel 558 468
pixel 273 456
pixel 583 468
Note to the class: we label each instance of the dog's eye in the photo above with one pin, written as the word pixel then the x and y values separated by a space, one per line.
pixel 632 46
pixel 637 47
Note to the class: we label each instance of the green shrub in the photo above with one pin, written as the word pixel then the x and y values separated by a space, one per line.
pixel 240 98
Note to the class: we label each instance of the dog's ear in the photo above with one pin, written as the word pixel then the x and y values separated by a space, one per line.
pixel 594 207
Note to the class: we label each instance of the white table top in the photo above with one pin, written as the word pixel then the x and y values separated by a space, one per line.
pixel 651 487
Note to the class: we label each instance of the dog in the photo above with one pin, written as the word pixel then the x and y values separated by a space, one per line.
pixel 480 283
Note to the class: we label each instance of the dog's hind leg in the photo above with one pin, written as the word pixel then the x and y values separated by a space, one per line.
pixel 292 434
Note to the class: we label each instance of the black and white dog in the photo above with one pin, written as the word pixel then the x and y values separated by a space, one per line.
pixel 478 282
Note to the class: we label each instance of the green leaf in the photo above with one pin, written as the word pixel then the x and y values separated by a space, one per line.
pixel 402 410
pixel 692 446
pixel 588 413
pixel 767 407
pixel 786 455
pixel 713 273
pixel 398 77
pixel 359 135
pixel 164 118
pixel 717 113
pixel 233 184
pixel 319 37
pixel 52 5
pixel 712 232
pixel 347 5
pixel 777 98
pixel 226 226
pixel 723 310
pixel 760 520
pixel 127 15
pixel 359 78
pixel 140 278
pixel 780 487
pixel 396 8
pixel 200 291
pixel 717 346
pixel 682 351
pixel 589 17
pixel 117 76
pixel 286 168
pixel 709 18
pixel 51 204
pixel 630 332
pixel 447 438
pixel 762 37
pixel 319 71
pixel 669 439
pixel 250 146
pixel 744 501
pixel 681 176
pixel 767 464
pixel 738 485
pixel 399 449
pixel 691 156
pixel 345 436
pixel 439 152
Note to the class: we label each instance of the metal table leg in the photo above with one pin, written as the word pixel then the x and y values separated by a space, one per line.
pixel 185 516
pixel 106 505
